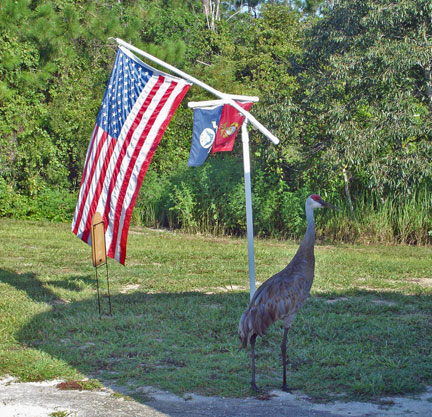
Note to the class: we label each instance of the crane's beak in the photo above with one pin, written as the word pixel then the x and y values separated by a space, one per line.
pixel 328 205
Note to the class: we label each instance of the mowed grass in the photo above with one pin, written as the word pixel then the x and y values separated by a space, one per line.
pixel 365 332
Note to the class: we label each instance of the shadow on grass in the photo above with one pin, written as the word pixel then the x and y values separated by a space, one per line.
pixel 38 290
pixel 362 344
pixel 29 283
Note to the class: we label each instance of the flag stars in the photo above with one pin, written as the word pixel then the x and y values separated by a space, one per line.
pixel 127 81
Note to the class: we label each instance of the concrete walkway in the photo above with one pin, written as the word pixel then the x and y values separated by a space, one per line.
pixel 44 399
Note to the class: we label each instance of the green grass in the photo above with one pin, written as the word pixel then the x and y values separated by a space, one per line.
pixel 366 331
pixel 60 414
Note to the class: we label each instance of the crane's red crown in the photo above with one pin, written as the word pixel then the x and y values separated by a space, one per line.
pixel 316 197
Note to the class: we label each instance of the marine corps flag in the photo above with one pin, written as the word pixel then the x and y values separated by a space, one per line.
pixel 215 129
pixel 229 124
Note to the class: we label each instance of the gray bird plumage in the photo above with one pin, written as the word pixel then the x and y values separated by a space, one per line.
pixel 280 297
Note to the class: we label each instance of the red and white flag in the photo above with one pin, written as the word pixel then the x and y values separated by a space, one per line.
pixel 137 107
pixel 229 124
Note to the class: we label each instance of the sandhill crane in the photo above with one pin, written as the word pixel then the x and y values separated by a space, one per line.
pixel 280 297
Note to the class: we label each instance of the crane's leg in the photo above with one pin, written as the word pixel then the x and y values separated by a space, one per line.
pixel 252 342
pixel 284 359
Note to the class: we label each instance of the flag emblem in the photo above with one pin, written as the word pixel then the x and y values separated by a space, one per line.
pixel 207 137
pixel 229 125
pixel 228 131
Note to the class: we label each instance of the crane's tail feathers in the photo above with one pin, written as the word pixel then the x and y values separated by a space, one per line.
pixel 251 323
pixel 243 331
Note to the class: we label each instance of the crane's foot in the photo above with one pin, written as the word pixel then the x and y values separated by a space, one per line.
pixel 254 387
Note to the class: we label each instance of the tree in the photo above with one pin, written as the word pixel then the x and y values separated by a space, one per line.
pixel 368 90
pixel 56 60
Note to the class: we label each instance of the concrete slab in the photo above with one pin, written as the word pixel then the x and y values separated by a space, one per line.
pixel 44 399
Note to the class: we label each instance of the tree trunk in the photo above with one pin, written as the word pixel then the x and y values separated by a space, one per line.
pixel 211 9
pixel 206 7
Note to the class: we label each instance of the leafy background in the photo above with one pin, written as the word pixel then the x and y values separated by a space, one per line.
pixel 346 86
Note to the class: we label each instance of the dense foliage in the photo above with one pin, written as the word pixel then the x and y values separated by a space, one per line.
pixel 346 85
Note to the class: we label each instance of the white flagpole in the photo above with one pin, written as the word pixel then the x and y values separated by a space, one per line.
pixel 245 139
pixel 226 97
pixel 249 217
pixel 247 183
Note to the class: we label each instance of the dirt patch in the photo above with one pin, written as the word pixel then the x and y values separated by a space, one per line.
pixel 343 299
pixel 384 302
pixel 228 288
pixel 423 282
pixel 336 300
pixel 129 288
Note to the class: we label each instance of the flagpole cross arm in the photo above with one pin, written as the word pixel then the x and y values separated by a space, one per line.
pixel 210 103
pixel 225 97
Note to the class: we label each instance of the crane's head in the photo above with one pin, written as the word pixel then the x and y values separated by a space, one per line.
pixel 315 201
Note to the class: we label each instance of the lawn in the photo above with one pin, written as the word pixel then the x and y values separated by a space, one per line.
pixel 365 332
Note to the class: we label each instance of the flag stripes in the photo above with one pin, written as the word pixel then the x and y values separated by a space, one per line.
pixel 138 105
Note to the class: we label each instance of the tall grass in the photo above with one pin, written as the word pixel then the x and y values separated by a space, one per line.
pixel 389 221
pixel 210 199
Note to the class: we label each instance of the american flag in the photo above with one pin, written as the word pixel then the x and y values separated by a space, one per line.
pixel 138 104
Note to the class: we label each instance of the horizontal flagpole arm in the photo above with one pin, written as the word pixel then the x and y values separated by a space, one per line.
pixel 208 103
pixel 226 97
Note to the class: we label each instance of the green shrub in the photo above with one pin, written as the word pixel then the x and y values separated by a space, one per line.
pixel 211 199
pixel 53 205
pixel 12 204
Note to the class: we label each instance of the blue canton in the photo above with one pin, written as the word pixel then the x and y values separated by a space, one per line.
pixel 128 79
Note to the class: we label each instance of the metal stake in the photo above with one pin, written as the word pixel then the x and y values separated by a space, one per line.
pixel 99 256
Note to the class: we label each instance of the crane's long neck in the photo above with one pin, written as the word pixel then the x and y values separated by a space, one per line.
pixel 306 248
pixel 309 237
pixel 304 260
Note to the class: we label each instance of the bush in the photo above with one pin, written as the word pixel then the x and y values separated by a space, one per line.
pixel 12 204
pixel 53 205
pixel 211 199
